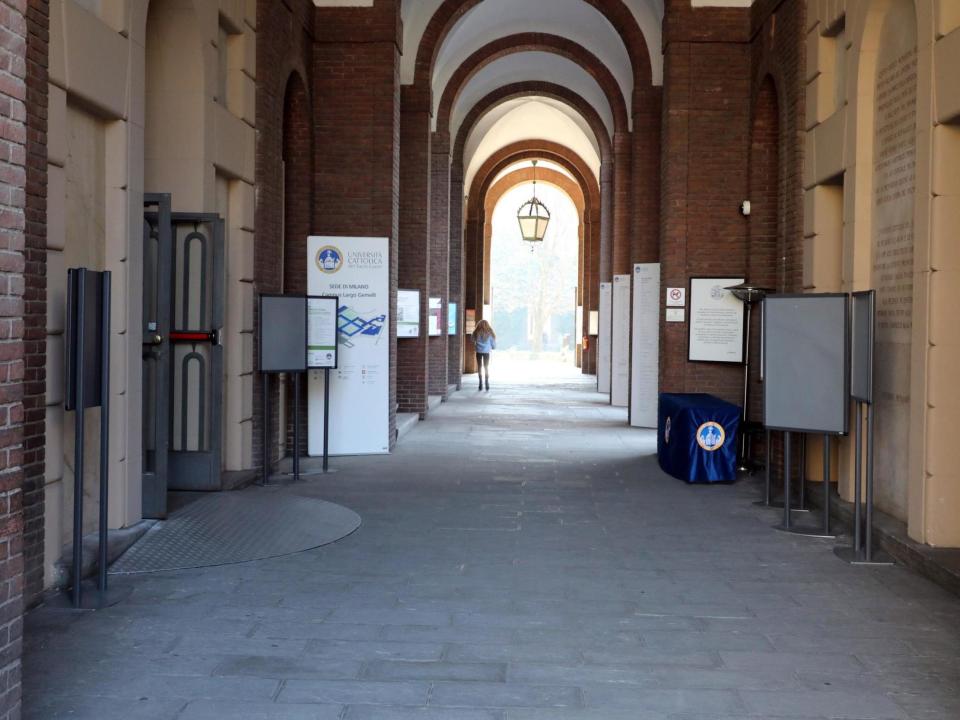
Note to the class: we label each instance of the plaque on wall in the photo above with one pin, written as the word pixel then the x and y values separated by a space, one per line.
pixel 408 313
pixel 716 327
pixel 434 316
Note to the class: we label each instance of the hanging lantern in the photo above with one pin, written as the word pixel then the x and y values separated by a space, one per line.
pixel 533 215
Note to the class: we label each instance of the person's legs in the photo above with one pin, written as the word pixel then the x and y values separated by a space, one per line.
pixel 480 369
pixel 486 367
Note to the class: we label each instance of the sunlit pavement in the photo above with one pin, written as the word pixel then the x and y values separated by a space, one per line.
pixel 521 557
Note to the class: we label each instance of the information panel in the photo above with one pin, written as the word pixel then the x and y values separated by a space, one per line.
pixel 645 362
pixel 578 324
pixel 603 338
pixel 283 333
pixel 357 271
pixel 620 342
pixel 451 318
pixel 408 313
pixel 806 363
pixel 322 332
pixel 716 321
pixel 435 316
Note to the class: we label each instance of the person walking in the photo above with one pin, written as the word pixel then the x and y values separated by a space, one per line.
pixel 485 341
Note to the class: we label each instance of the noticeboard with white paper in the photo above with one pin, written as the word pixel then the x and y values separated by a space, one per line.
pixel 806 363
pixel 322 318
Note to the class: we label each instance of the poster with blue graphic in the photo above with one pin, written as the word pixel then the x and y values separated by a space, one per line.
pixel 357 271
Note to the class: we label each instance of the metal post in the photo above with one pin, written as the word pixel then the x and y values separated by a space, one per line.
pixel 826 484
pixel 326 416
pixel 266 429
pixel 803 471
pixel 744 464
pixel 104 431
pixel 786 480
pixel 78 439
pixel 766 490
pixel 296 427
pixel 858 477
pixel 869 529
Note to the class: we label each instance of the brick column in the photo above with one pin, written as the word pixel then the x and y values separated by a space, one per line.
pixel 622 217
pixel 414 242
pixel 606 222
pixel 356 80
pixel 705 129
pixel 439 257
pixel 12 224
pixel 456 291
pixel 645 241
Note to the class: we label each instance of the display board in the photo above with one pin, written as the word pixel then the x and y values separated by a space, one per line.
pixel 451 318
pixel 283 333
pixel 434 316
pixel 716 328
pixel 806 363
pixel 862 314
pixel 578 324
pixel 603 337
pixel 89 343
pixel 620 342
pixel 322 343
pixel 645 358
pixel 594 326
pixel 356 270
pixel 408 313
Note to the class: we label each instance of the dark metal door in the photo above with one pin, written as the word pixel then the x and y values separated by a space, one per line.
pixel 157 255
pixel 196 353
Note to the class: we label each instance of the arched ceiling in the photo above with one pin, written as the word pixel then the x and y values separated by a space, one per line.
pixel 522 164
pixel 525 67
pixel 491 19
pixel 529 119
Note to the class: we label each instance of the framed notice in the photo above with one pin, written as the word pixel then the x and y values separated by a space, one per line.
pixel 594 322
pixel 451 318
pixel 434 316
pixel 322 319
pixel 408 313
pixel 716 327
pixel 470 321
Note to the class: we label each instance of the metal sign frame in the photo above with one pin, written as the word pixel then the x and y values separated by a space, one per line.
pixel 862 303
pixel 260 328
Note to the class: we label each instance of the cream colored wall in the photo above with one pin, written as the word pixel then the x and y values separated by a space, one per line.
pixel 99 169
pixel 842 52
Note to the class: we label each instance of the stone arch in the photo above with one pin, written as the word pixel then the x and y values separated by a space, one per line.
pixel 529 42
pixel 615 11
pixel 476 272
pixel 526 89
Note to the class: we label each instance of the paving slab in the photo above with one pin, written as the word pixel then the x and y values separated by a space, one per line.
pixel 521 557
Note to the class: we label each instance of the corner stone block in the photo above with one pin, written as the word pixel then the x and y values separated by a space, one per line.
pixel 55 369
pixel 943 450
pixel 944 301
pixel 96 60
pixel 830 144
pixel 53 460
pixel 942 389
pixel 56 207
pixel 948 16
pixel 946 160
pixel 814 53
pixel 118 427
pixel 943 508
pixel 52 530
pixel 946 60
pixel 243 200
pixel 58 60
pixel 945 231
pixel 56 125
pixel 117 235
pixel 56 291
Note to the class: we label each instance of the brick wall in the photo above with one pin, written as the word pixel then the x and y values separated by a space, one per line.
pixel 705 130
pixel 356 95
pixel 13 134
pixel 439 258
pixel 282 213
pixel 35 297
pixel 456 290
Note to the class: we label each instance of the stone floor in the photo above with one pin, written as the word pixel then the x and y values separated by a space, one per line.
pixel 521 558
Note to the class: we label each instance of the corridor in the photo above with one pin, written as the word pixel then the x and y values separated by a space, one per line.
pixel 521 557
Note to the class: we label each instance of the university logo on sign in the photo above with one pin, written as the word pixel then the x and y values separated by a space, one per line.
pixel 711 436
pixel 329 259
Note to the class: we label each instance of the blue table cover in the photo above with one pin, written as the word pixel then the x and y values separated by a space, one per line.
pixel 697 437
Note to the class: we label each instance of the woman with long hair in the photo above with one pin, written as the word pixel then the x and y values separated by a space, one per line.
pixel 484 341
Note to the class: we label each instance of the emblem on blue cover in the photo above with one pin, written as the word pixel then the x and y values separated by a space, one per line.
pixel 711 436
pixel 666 431
pixel 329 259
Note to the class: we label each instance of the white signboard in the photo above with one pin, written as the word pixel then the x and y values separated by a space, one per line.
pixel 357 271
pixel 620 342
pixel 676 297
pixel 716 321
pixel 408 313
pixel 603 338
pixel 594 323
pixel 322 332
pixel 578 324
pixel 645 360
pixel 676 315
pixel 434 314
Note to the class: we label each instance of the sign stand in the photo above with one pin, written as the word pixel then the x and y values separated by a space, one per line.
pixel 861 366
pixel 768 500
pixel 88 386
pixel 326 419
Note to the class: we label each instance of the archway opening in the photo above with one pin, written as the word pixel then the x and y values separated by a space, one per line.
pixel 533 287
